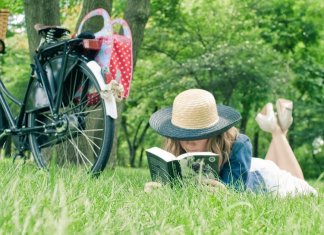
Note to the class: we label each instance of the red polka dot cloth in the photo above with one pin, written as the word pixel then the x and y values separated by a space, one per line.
pixel 115 56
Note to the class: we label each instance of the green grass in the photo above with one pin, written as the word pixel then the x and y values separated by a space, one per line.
pixel 65 201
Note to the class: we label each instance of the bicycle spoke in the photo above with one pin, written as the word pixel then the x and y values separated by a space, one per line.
pixel 49 117
pixel 87 138
pixel 91 130
pixel 90 111
pixel 39 121
pixel 83 157
pixel 95 138
pixel 76 107
pixel 74 89
pixel 94 118
pixel 65 149
pixel 84 103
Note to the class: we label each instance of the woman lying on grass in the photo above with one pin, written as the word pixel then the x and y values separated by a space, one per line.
pixel 195 124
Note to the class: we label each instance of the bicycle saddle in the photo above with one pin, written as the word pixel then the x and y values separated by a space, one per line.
pixel 57 31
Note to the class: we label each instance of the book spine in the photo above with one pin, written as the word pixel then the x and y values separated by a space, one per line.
pixel 159 169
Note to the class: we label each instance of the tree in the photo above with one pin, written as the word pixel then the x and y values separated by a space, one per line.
pixel 146 93
pixel 286 23
pixel 39 11
pixel 293 28
pixel 136 13
pixel 89 5
pixel 227 57
pixel 228 54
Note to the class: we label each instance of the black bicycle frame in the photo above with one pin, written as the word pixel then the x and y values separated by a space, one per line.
pixel 18 126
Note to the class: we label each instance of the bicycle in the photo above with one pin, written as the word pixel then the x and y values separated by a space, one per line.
pixel 67 114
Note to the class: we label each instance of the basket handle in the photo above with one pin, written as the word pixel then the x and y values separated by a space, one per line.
pixel 126 30
pixel 106 29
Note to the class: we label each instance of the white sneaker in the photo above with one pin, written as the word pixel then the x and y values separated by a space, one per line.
pixel 267 119
pixel 284 110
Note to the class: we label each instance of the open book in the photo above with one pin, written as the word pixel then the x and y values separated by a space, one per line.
pixel 165 167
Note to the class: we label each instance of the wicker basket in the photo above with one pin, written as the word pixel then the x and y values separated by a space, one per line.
pixel 4 14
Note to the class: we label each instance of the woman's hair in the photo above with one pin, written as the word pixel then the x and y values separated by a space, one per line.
pixel 220 144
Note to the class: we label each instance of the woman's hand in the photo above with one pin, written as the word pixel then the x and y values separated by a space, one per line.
pixel 149 186
pixel 213 183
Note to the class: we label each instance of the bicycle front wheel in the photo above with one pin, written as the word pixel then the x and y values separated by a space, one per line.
pixel 85 136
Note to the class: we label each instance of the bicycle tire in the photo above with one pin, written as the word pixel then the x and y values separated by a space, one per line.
pixel 3 125
pixel 88 137
pixel 2 47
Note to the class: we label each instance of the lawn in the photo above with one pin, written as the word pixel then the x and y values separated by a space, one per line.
pixel 68 201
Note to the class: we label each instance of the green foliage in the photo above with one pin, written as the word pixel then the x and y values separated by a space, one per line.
pixel 70 10
pixel 286 23
pixel 68 201
pixel 16 67
pixel 15 7
pixel 164 12
pixel 69 3
pixel 312 164
pixel 247 53
pixel 216 55
pixel 296 27
pixel 118 8
pixel 184 50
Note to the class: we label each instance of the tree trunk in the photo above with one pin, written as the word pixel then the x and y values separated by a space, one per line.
pixel 256 144
pixel 39 11
pixel 136 14
pixel 113 154
pixel 96 23
pixel 140 163
pixel 245 114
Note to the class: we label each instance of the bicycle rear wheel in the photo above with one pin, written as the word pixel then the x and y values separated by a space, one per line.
pixel 3 125
pixel 86 135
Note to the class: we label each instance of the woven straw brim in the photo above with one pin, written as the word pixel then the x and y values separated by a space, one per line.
pixel 160 121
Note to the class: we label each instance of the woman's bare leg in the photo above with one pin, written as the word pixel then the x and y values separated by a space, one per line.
pixel 281 153
pixel 279 150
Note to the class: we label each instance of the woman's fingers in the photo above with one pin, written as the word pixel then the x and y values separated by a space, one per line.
pixel 213 183
pixel 149 186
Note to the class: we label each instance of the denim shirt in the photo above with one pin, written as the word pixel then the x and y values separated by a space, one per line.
pixel 236 172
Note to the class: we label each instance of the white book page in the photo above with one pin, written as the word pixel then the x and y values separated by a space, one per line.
pixel 199 165
pixel 182 156
pixel 165 155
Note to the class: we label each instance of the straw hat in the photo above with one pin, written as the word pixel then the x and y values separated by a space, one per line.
pixel 194 115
